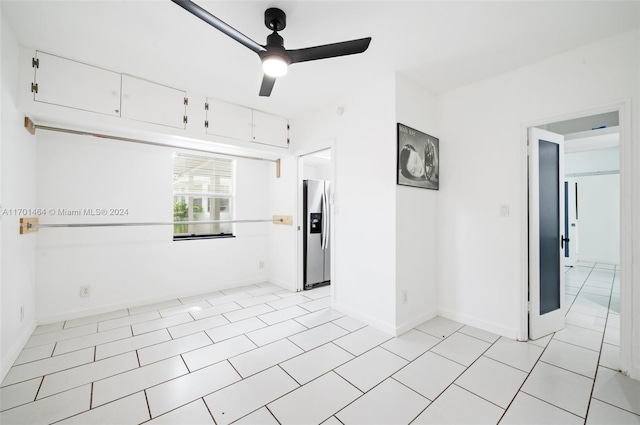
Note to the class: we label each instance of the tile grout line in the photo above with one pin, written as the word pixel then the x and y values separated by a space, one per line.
pixel 421 395
pixel 321 375
pixel 580 289
pixel 617 407
pixel 593 386
pixel 91 397
pixel 38 390
pixel 504 410
pixel 206 406
pixel 539 360
pixel 146 398
pixel 178 376
pixel 527 378
pixel 279 365
pixel 271 413
pixel 567 370
pixel 332 341
pixel 314 379
pixel 557 407
pixel 456 378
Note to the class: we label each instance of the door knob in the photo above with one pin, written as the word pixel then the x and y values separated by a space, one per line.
pixel 563 240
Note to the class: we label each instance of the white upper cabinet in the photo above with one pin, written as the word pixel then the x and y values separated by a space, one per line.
pixel 229 120
pixel 270 130
pixel 64 82
pixel 238 122
pixel 154 103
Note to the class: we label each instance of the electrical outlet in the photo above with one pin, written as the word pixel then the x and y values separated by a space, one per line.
pixel 261 264
pixel 85 291
pixel 405 296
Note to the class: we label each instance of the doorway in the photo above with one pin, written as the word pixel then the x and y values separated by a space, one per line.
pixel 591 225
pixel 315 171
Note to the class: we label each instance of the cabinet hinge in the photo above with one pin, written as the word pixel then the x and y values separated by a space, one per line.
pixel 184 119
pixel 186 101
pixel 288 127
pixel 34 87
pixel 35 62
pixel 206 124
pixel 206 106
pixel 288 141
pixel 529 306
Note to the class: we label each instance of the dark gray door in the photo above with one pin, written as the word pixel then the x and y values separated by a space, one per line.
pixel 546 213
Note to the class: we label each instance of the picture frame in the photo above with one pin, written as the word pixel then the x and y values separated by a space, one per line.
pixel 418 158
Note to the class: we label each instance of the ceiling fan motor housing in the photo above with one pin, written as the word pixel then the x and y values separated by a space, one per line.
pixel 275 58
pixel 275 19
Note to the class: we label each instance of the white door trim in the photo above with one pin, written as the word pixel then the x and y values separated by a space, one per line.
pixel 629 205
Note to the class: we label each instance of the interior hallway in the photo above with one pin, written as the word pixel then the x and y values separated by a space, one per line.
pixel 262 355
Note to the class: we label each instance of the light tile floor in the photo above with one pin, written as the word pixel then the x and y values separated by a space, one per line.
pixel 261 355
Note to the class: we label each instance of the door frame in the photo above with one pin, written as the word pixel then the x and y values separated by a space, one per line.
pixel 329 144
pixel 628 293
pixel 571 212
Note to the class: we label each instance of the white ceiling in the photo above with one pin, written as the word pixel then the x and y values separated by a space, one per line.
pixel 603 138
pixel 440 45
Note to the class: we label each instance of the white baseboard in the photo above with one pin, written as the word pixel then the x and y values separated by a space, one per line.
pixel 633 373
pixel 366 319
pixel 598 260
pixel 142 301
pixel 406 327
pixel 284 285
pixel 511 333
pixel 16 349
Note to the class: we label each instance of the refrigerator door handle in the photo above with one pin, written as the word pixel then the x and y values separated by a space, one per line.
pixel 325 213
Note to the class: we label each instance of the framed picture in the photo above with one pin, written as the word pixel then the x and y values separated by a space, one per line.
pixel 418 159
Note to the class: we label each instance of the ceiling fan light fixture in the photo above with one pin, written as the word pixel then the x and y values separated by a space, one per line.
pixel 274 66
pixel 275 58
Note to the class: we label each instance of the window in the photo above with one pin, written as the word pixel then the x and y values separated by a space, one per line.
pixel 202 191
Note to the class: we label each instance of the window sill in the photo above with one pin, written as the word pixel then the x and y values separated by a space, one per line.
pixel 198 237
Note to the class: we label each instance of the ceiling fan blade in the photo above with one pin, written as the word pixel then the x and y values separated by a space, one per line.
pixel 218 24
pixel 329 50
pixel 267 85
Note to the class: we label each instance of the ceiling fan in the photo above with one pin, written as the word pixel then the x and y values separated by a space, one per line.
pixel 275 58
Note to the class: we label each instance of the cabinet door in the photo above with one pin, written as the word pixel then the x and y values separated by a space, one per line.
pixel 150 102
pixel 270 130
pixel 229 120
pixel 76 85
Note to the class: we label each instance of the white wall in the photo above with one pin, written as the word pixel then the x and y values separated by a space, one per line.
pixel 482 127
pixel 365 193
pixel 317 171
pixel 592 161
pixel 385 234
pixel 124 266
pixel 416 219
pixel 127 266
pixel 17 190
pixel 599 218
pixel 598 204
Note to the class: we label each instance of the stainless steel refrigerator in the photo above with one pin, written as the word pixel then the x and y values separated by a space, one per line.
pixel 317 265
